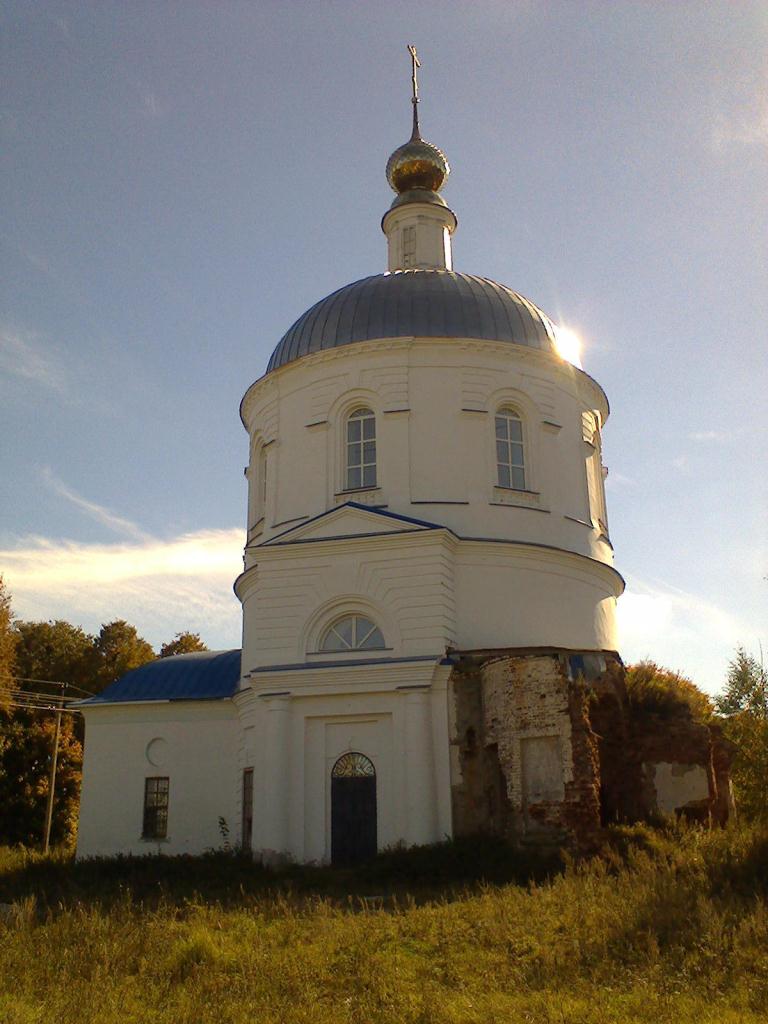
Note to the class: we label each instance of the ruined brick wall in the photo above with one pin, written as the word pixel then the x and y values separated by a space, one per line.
pixel 684 768
pixel 526 757
pixel 545 749
pixel 480 802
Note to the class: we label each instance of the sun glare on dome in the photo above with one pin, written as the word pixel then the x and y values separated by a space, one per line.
pixel 568 345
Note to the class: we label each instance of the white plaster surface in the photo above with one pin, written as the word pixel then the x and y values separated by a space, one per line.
pixel 542 769
pixel 194 740
pixel 678 784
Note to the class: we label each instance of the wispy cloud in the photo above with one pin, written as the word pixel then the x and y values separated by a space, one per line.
pixel 708 435
pixel 118 524
pixel 22 356
pixel 615 479
pixel 162 586
pixel 680 630
pixel 63 563
pixel 749 129
pixel 740 111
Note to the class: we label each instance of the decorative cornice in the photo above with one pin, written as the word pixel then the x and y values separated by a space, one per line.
pixel 560 367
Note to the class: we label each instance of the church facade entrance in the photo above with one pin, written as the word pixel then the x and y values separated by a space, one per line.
pixel 353 810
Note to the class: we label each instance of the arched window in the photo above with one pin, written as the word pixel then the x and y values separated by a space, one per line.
pixel 596 474
pixel 353 766
pixel 510 450
pixel 360 450
pixel 352 633
pixel 262 481
pixel 257 486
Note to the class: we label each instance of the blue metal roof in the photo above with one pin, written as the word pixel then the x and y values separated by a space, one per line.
pixel 416 303
pixel 204 675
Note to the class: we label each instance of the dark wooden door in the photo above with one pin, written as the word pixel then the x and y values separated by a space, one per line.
pixel 353 810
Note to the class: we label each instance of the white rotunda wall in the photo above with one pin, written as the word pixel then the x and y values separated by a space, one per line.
pixel 509 568
pixel 434 403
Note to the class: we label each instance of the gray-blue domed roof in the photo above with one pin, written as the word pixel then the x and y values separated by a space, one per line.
pixel 416 303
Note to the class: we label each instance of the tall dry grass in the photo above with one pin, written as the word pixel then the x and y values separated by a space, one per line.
pixel 663 927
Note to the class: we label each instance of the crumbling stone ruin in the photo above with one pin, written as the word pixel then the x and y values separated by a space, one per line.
pixel 546 750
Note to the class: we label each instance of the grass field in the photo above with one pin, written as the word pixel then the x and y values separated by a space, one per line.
pixel 664 927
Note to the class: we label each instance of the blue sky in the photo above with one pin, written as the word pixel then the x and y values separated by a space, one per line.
pixel 181 181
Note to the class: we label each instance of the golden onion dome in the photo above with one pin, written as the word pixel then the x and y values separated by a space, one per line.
pixel 417 164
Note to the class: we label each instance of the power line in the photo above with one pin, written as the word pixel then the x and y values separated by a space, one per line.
pixel 43 707
pixel 47 682
pixel 47 696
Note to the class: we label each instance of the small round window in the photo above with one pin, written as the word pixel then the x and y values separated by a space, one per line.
pixel 352 633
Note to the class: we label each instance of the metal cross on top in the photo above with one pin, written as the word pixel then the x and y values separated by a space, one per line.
pixel 415 63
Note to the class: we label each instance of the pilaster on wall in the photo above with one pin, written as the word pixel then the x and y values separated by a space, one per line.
pixel 273 832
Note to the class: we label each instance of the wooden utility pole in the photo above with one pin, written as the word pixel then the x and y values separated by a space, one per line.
pixel 52 781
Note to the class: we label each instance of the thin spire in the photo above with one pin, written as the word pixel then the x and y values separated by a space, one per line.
pixel 415 63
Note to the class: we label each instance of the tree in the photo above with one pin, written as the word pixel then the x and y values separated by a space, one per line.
pixel 746 687
pixel 57 651
pixel 26 743
pixel 7 643
pixel 42 650
pixel 118 648
pixel 744 703
pixel 183 643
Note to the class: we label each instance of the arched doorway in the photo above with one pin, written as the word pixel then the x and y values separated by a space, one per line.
pixel 353 809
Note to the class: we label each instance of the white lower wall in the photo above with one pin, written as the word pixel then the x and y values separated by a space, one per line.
pixel 193 743
pixel 394 715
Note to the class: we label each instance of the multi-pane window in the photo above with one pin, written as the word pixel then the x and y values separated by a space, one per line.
pixel 360 450
pixel 352 633
pixel 262 482
pixel 510 450
pixel 155 808
pixel 247 807
pixel 595 480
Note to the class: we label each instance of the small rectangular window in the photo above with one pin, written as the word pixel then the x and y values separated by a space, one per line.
pixel 155 808
pixel 247 808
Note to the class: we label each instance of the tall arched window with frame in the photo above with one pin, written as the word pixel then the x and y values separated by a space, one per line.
pixel 262 482
pixel 596 474
pixel 510 450
pixel 360 450
pixel 257 486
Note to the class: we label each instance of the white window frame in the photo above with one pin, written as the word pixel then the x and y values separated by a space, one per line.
pixel 261 503
pixel 360 465
pixel 257 487
pixel 510 452
pixel 597 474
pixel 359 634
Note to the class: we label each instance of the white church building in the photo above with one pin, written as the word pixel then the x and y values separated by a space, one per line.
pixel 428 587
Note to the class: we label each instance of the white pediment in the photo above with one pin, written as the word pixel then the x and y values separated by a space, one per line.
pixel 350 520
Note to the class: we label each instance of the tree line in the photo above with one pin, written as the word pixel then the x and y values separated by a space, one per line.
pixel 34 656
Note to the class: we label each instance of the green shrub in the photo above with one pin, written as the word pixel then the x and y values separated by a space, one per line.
pixel 653 690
